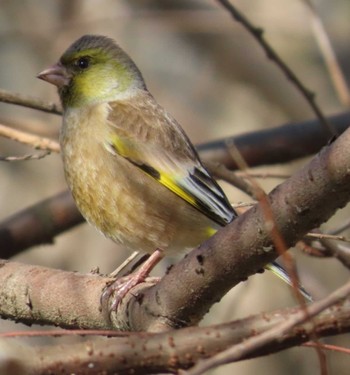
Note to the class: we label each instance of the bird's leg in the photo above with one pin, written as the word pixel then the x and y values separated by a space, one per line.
pixel 121 286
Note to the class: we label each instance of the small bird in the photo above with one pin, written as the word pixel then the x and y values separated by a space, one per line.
pixel 133 172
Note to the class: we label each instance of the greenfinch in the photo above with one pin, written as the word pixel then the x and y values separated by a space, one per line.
pixel 133 172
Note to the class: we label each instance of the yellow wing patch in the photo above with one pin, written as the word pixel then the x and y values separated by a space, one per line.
pixel 123 147
pixel 171 184
pixel 126 150
pixel 196 187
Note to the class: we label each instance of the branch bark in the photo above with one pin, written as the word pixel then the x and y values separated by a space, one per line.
pixel 207 273
pixel 244 246
pixel 170 351
pixel 280 144
pixel 38 224
pixel 33 294
pixel 275 145
pixel 36 295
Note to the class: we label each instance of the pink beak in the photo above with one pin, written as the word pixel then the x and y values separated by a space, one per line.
pixel 56 75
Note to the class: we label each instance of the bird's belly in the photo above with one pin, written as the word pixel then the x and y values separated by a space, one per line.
pixel 131 207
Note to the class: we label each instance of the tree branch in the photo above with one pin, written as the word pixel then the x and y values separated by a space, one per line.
pixel 258 34
pixel 275 145
pixel 170 351
pixel 29 102
pixel 38 224
pixel 261 341
pixel 280 144
pixel 235 252
pixel 244 246
pixel 40 295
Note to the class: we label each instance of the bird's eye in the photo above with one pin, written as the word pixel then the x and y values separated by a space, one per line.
pixel 82 62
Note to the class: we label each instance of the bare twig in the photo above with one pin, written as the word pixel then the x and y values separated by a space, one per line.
pixel 250 345
pixel 221 172
pixel 245 244
pixel 25 157
pixel 329 56
pixel 321 236
pixel 30 102
pixel 47 295
pixel 276 145
pixel 35 141
pixel 333 348
pixel 312 251
pixel 336 252
pixel 263 175
pixel 258 34
pixel 259 194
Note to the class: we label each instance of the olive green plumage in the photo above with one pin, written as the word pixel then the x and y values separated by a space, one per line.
pixel 132 170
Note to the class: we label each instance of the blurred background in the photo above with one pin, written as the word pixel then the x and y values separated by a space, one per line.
pixel 215 80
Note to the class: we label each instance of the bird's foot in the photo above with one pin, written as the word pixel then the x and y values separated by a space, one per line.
pixel 121 286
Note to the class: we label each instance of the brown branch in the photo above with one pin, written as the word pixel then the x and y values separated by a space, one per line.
pixel 33 294
pixel 234 253
pixel 38 224
pixel 240 249
pixel 35 141
pixel 284 143
pixel 276 145
pixel 29 102
pixel 220 172
pixel 25 157
pixel 244 246
pixel 258 34
pixel 169 351
pixel 329 56
pixel 253 344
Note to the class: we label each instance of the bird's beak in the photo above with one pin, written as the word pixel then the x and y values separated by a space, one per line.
pixel 55 74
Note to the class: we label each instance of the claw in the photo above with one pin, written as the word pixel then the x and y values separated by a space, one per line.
pixel 121 286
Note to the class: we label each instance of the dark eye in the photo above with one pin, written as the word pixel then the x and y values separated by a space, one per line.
pixel 82 62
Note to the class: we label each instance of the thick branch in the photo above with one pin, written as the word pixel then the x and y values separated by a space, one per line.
pixel 33 294
pixel 38 224
pixel 238 250
pixel 270 146
pixel 167 352
pixel 275 145
pixel 244 246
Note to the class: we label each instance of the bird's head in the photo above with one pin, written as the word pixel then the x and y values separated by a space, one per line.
pixel 94 69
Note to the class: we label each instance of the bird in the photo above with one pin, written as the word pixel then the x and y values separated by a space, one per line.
pixel 132 170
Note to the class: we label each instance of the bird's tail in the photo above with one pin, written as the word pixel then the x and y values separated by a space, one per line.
pixel 280 272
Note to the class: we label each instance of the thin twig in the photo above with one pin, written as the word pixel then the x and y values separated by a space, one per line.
pixel 336 252
pixel 221 172
pixel 263 175
pixel 321 236
pixel 30 102
pixel 333 348
pixel 258 34
pixel 35 141
pixel 247 346
pixel 335 72
pixel 25 157
pixel 279 242
pixel 312 251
